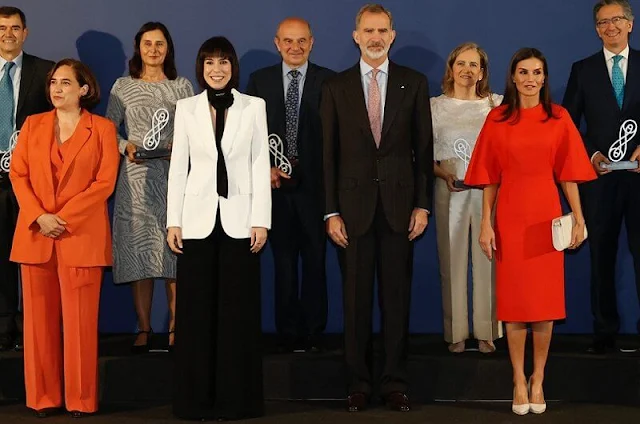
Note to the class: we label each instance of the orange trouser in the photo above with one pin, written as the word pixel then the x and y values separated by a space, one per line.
pixel 55 294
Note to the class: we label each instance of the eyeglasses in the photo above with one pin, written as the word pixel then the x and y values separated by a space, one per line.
pixel 603 23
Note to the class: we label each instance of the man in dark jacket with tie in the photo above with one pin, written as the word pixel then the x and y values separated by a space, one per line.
pixel 378 174
pixel 22 93
pixel 292 91
pixel 604 89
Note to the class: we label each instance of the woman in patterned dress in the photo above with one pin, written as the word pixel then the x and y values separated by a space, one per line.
pixel 140 253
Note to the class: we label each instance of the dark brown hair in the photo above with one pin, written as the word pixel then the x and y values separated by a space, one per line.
pixel 511 95
pixel 169 65
pixel 7 11
pixel 84 76
pixel 218 47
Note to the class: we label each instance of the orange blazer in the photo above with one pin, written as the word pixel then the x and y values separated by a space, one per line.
pixel 87 180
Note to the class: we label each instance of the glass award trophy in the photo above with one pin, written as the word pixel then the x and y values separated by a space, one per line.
pixel 151 139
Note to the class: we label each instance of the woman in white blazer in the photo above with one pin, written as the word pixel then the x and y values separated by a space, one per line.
pixel 218 213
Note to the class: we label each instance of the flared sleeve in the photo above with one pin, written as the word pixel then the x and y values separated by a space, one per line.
pixel 571 162
pixel 484 166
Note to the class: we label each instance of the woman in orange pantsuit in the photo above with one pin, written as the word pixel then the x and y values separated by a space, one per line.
pixel 63 170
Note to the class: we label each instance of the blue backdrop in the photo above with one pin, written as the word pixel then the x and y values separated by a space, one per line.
pixel 100 32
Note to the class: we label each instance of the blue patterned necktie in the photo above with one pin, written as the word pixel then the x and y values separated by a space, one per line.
pixel 617 80
pixel 6 107
pixel 291 114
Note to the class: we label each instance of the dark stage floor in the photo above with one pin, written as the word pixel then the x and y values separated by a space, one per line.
pixel 290 412
pixel 308 388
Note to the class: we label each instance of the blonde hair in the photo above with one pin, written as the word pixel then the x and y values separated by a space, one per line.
pixel 482 87
pixel 373 8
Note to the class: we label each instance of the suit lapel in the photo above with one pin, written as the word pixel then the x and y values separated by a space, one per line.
pixel 46 136
pixel 631 83
pixel 355 96
pixel 232 122
pixel 77 141
pixel 278 96
pixel 204 121
pixel 603 79
pixel 309 82
pixel 26 79
pixel 395 94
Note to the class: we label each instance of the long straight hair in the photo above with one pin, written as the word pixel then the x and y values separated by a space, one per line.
pixel 511 95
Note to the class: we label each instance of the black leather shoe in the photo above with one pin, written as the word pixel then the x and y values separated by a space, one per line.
pixel 601 346
pixel 18 345
pixel 46 412
pixel 314 344
pixel 356 402
pixel 78 414
pixel 138 349
pixel 398 401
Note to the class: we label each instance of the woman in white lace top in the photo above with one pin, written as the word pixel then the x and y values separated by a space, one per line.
pixel 458 115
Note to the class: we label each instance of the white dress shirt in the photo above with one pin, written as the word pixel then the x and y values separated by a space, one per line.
pixel 16 74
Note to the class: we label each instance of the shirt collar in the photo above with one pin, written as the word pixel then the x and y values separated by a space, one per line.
pixel 17 61
pixel 609 55
pixel 365 68
pixel 302 69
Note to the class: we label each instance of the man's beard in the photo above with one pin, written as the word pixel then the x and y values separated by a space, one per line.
pixel 375 55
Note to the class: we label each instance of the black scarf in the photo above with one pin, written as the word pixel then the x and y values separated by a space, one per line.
pixel 220 100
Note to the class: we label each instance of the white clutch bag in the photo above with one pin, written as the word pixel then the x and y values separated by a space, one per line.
pixel 561 231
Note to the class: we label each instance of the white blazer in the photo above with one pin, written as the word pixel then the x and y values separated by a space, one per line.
pixel 192 198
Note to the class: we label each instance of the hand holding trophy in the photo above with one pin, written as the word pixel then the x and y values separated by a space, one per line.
pixel 5 160
pixel 618 149
pixel 276 147
pixel 151 139
pixel 462 149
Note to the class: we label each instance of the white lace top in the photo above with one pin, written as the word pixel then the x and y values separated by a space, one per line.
pixel 455 119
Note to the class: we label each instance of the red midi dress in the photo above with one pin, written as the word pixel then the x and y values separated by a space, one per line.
pixel 527 160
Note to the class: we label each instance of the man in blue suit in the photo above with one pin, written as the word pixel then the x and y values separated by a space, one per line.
pixel 604 89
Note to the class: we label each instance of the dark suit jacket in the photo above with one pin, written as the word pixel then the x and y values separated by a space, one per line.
pixel 355 171
pixel 32 98
pixel 267 83
pixel 590 94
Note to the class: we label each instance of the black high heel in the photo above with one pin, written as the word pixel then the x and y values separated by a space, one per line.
pixel 171 346
pixel 138 349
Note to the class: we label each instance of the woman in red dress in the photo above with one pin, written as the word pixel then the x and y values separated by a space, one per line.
pixel 527 146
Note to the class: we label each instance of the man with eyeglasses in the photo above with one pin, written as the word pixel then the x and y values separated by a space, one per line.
pixel 22 93
pixel 605 90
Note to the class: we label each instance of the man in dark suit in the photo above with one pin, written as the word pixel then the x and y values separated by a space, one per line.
pixel 22 93
pixel 292 91
pixel 378 174
pixel 605 90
